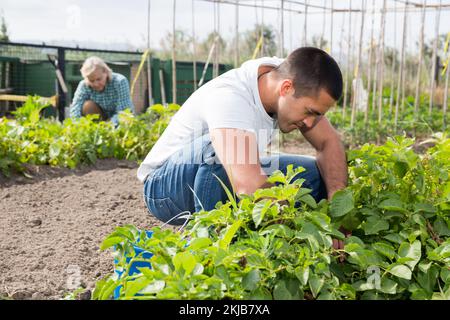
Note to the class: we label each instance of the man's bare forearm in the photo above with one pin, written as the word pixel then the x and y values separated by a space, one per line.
pixel 332 163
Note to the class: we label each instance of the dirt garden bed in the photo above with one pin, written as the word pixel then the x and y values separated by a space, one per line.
pixel 52 225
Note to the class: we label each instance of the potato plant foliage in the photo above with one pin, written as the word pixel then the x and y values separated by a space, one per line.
pixel 277 242
pixel 31 139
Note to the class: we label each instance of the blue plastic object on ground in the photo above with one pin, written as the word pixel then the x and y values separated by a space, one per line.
pixel 135 265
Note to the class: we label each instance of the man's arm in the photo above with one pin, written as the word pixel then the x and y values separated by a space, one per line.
pixel 331 158
pixel 237 150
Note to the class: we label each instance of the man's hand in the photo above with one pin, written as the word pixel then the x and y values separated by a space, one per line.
pixel 339 244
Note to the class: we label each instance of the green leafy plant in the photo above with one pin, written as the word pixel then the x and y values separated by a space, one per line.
pixel 31 139
pixel 277 242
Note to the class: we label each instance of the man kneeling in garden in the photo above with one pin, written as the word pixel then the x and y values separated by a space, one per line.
pixel 224 127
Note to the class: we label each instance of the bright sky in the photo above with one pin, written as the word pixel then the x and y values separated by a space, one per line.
pixel 119 21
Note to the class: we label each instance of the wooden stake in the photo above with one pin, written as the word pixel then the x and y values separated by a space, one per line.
pixel 356 91
pixel 381 66
pixel 331 27
pixel 391 98
pixel 305 40
pixel 401 67
pixel 444 108
pixel 174 65
pixel 369 73
pixel 348 61
pixel 194 47
pixel 236 34
pixel 433 68
pixel 419 66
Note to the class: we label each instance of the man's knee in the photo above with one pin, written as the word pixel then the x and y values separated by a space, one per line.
pixel 90 107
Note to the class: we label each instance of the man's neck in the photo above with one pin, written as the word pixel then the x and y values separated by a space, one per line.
pixel 267 89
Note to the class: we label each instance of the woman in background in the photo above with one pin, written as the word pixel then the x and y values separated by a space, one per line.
pixel 101 92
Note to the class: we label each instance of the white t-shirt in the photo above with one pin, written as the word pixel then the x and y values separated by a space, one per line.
pixel 229 101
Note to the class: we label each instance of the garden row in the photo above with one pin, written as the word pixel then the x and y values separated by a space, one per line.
pixel 277 242
pixel 31 139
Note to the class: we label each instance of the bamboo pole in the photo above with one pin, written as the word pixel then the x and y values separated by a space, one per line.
pixel 391 97
pixel 444 108
pixel 402 105
pixel 389 9
pixel 369 73
pixel 162 87
pixel 262 28
pixel 174 65
pixel 282 30
pixel 401 67
pixel 194 47
pixel 218 50
pixel 433 68
pixel 210 54
pixel 305 27
pixel 419 66
pixel 236 34
pixel 324 19
pixel 290 29
pixel 381 77
pixel 356 91
pixel 349 39
pixel 214 57
pixel 331 27
pixel 149 58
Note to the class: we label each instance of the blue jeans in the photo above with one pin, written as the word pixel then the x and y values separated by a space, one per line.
pixel 186 182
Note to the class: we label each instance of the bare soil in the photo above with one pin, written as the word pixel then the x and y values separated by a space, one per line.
pixel 51 225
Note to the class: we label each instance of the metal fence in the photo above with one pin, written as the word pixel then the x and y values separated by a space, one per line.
pixel 27 69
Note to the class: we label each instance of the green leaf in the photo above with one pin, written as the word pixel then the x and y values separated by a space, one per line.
pixel 401 271
pixel 363 285
pixel 412 251
pixel 392 205
pixel 385 249
pixel 428 280
pixel 309 200
pixel 424 207
pixel 199 243
pixel 315 284
pixel 261 294
pixel 301 192
pixel 230 194
pixel 260 210
pixel 229 234
pixel 302 274
pixel 251 280
pixel 277 177
pixel 110 241
pixel 445 275
pixel 351 221
pixel 341 203
pixel 185 260
pixel 394 237
pixel 154 287
pixel 373 225
pixel 441 228
pixel 280 292
pixel 136 285
pixel 388 286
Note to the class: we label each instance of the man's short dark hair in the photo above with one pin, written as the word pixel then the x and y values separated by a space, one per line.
pixel 312 69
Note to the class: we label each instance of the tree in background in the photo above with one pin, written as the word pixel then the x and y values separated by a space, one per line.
pixel 247 43
pixel 183 46
pixel 249 39
pixel 4 31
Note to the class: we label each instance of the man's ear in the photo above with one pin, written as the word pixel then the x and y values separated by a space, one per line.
pixel 286 87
